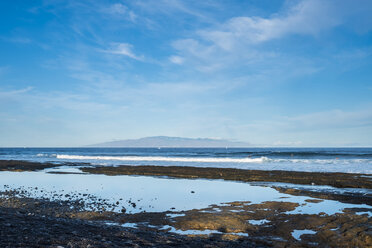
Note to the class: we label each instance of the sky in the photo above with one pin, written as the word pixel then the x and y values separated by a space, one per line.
pixel 271 73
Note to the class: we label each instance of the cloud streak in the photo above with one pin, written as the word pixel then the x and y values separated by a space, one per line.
pixel 125 49
pixel 243 40
pixel 305 18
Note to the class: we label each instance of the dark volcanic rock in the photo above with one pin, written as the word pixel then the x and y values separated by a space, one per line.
pixel 16 165
pixel 24 230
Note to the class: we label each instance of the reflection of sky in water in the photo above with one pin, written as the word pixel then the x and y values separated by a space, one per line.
pixel 197 232
pixel 159 194
pixel 258 222
pixel 315 188
pixel 297 233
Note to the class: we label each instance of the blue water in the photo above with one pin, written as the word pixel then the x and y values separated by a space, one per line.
pixel 356 160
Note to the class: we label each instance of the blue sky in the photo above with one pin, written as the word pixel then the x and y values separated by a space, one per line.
pixel 272 73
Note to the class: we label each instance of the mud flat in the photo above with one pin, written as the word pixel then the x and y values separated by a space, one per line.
pixel 76 205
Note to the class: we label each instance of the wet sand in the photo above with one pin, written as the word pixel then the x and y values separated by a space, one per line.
pixel 26 221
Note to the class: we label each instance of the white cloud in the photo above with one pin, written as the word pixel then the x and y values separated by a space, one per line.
pixel 308 17
pixel 173 7
pixel 118 8
pixel 125 49
pixel 121 10
pixel 14 93
pixel 176 60
pixel 241 40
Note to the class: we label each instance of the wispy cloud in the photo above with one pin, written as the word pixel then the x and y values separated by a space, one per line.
pixel 306 18
pixel 193 68
pixel 243 40
pixel 173 7
pixel 125 49
pixel 118 9
pixel 176 60
pixel 4 94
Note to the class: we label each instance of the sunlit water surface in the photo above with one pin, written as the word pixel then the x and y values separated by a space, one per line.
pixel 154 194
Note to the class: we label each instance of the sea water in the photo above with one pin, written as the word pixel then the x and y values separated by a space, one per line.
pixel 349 160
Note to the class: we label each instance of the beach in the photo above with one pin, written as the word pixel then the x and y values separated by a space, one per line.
pixel 77 204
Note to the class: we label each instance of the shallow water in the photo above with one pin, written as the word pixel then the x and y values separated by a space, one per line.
pixel 153 194
pixel 198 232
pixel 258 222
pixel 315 188
pixel 297 233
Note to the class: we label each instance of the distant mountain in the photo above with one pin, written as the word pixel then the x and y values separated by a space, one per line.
pixel 165 141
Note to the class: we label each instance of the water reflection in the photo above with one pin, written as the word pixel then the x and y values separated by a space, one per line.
pixel 151 194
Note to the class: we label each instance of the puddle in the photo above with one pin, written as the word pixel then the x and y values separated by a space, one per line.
pixel 258 222
pixel 297 233
pixel 151 194
pixel 131 225
pixel 64 169
pixel 328 207
pixel 367 213
pixel 197 232
pixel 315 188
pixel 175 215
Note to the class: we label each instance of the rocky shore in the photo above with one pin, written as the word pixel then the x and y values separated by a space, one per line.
pixel 338 180
pixel 24 228
pixel 41 222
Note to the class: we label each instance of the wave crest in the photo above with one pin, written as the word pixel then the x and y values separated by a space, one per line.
pixel 166 159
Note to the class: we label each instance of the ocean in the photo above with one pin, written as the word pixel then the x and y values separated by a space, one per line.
pixel 349 160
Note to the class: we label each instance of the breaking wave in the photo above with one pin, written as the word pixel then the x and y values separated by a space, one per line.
pixel 166 159
pixel 258 160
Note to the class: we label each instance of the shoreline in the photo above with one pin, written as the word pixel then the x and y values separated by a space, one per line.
pixel 49 223
pixel 334 179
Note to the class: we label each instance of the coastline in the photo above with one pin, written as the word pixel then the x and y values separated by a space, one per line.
pixel 227 225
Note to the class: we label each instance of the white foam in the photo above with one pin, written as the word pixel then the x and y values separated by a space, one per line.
pixel 166 159
pixel 46 155
pixel 322 161
pixel 214 160
pixel 248 163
